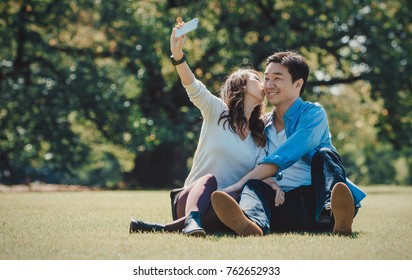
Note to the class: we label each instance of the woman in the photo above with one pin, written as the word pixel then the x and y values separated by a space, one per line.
pixel 230 142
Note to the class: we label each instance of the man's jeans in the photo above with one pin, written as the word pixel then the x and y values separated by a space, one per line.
pixel 303 206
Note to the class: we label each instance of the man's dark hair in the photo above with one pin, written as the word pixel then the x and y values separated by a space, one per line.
pixel 295 63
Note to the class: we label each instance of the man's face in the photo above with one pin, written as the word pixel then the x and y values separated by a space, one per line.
pixel 278 86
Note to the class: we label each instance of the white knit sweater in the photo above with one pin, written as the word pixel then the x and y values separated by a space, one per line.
pixel 220 151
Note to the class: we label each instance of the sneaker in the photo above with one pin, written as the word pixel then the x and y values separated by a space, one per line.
pixel 343 209
pixel 325 215
pixel 193 226
pixel 140 226
pixel 230 213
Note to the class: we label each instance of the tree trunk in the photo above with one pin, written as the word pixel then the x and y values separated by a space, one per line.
pixel 6 171
pixel 164 167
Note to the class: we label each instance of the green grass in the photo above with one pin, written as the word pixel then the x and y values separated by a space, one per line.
pixel 94 225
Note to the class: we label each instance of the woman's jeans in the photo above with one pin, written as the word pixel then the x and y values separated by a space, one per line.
pixel 303 209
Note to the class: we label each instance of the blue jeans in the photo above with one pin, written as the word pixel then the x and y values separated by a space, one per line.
pixel 303 207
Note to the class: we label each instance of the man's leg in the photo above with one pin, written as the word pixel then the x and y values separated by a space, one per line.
pixel 255 201
pixel 252 215
pixel 343 209
pixel 297 213
pixel 329 180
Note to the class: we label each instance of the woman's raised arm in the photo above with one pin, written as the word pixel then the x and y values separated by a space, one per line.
pixel 176 46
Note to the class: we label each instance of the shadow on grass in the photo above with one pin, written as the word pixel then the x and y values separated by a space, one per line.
pixel 354 235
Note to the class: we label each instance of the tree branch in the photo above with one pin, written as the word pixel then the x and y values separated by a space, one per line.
pixel 335 81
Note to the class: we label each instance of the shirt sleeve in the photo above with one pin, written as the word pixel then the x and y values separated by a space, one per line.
pixel 310 130
pixel 209 105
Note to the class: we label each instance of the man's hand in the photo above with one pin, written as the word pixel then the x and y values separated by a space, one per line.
pixel 280 195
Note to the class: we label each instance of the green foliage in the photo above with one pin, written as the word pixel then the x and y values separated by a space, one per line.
pixel 72 70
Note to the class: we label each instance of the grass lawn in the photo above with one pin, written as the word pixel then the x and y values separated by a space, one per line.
pixel 94 225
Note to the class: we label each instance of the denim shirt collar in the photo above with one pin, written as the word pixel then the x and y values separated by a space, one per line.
pixel 293 109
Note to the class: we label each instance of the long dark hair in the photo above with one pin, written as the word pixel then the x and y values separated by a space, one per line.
pixel 233 94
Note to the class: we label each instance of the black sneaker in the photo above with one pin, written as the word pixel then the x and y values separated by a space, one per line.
pixel 140 226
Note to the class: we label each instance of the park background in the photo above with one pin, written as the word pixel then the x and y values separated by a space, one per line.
pixel 89 96
pixel 89 100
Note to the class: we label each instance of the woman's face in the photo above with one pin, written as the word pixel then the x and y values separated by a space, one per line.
pixel 254 87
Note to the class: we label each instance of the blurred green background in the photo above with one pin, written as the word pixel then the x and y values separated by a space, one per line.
pixel 89 96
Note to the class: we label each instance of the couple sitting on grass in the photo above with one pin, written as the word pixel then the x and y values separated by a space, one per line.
pixel 254 174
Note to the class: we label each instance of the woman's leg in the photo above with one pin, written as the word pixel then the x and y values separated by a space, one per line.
pixel 195 198
pixel 178 224
pixel 199 197
pixel 212 223
pixel 181 201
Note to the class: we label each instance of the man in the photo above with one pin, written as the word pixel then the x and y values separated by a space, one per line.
pixel 314 193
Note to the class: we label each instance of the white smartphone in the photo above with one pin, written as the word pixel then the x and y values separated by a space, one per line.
pixel 187 27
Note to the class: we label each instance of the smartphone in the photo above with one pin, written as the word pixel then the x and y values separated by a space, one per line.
pixel 187 27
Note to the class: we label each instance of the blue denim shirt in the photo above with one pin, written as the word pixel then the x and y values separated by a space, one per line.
pixel 307 131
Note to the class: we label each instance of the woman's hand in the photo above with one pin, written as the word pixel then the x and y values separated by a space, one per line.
pixel 280 195
pixel 176 44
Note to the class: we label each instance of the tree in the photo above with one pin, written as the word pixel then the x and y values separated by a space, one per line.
pixel 70 69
